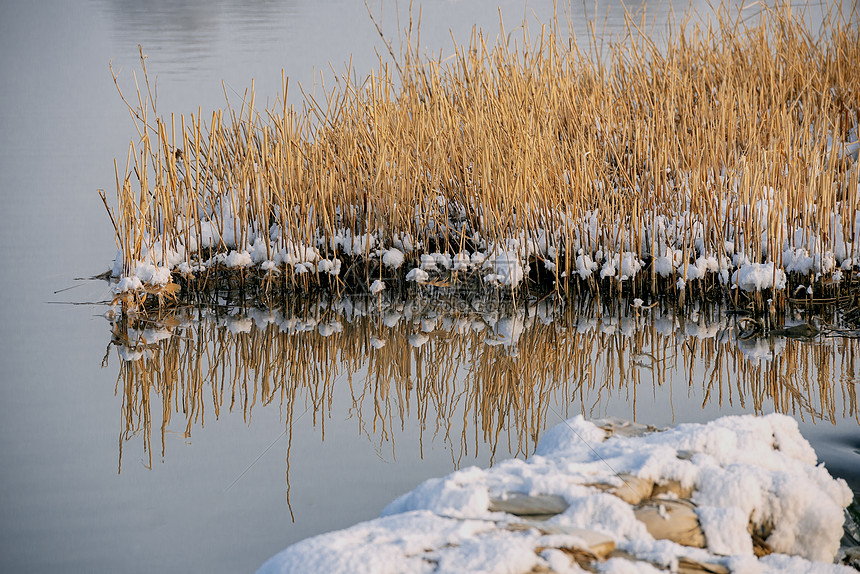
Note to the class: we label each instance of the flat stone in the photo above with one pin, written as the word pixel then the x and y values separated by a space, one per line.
pixel 690 566
pixel 519 504
pixel 614 426
pixel 598 545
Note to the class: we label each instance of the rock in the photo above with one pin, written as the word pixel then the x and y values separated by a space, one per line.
pixel 614 426
pixel 849 557
pixel 684 454
pixel 581 536
pixel 690 566
pixel 686 565
pixel 632 490
pixel 598 545
pixel 671 489
pixel 674 520
pixel 537 507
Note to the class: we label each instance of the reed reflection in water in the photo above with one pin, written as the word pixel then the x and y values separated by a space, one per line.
pixel 467 371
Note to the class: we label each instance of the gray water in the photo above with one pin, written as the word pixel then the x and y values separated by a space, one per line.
pixel 216 499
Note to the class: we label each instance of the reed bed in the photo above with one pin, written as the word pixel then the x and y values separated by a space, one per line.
pixel 474 374
pixel 723 165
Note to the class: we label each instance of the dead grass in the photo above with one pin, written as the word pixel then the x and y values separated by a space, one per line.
pixel 725 132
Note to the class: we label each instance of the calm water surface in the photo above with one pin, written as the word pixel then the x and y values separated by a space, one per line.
pixel 94 479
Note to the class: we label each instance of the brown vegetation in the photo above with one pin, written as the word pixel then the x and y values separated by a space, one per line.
pixel 734 131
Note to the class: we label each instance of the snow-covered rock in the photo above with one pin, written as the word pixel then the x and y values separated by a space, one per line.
pixel 688 496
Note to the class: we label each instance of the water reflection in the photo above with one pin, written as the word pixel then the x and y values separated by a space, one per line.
pixel 465 371
pixel 184 36
pixel 184 25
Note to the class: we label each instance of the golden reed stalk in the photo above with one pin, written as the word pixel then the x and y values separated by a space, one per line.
pixel 731 142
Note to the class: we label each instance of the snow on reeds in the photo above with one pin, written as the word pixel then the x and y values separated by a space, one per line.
pixel 726 159
pixel 478 371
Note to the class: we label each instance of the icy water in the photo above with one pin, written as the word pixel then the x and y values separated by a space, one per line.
pixel 178 446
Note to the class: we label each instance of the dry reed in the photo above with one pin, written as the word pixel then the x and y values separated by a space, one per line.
pixel 659 171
